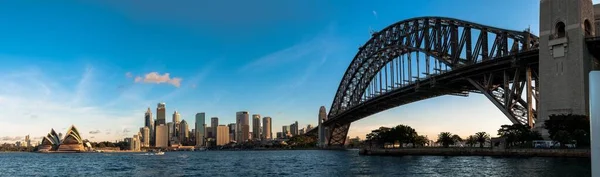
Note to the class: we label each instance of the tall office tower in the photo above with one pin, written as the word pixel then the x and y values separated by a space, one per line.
pixel 176 121
pixel 231 131
pixel 267 129
pixel 279 135
pixel 162 138
pixel 209 132
pixel 256 126
pixel 309 127
pixel 171 132
pixel 285 131
pixel 149 122
pixel 243 127
pixel 184 131
pixel 214 124
pixel 222 135
pixel 27 141
pixel 161 114
pixel 322 130
pixel 200 124
pixel 294 128
pixel 145 138
pixel 301 131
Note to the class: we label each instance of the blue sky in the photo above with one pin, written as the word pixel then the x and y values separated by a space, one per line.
pixel 96 64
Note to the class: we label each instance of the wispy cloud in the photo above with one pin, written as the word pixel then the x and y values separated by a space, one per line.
pixel 83 86
pixel 94 132
pixel 375 14
pixel 157 78
pixel 10 138
pixel 128 75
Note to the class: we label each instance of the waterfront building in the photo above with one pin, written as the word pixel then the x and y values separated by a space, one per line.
pixel 149 122
pixel 162 138
pixel 309 127
pixel 145 139
pixel 231 131
pixel 27 141
pixel 176 122
pixel 301 131
pixel 256 126
pixel 161 114
pixel 285 131
pixel 279 135
pixel 214 123
pixel 243 127
pixel 209 132
pixel 222 135
pixel 184 131
pixel 294 129
pixel 170 128
pixel 200 125
pixel 267 129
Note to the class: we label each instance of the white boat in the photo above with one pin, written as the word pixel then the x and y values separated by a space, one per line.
pixel 159 153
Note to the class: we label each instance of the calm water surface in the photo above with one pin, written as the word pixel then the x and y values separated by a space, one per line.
pixel 281 163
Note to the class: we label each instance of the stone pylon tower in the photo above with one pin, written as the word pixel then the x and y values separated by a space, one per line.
pixel 322 129
pixel 564 58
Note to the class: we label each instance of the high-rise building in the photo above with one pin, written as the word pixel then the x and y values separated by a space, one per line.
pixel 209 132
pixel 231 131
pixel 176 121
pixel 145 139
pixel 214 123
pixel 149 122
pixel 309 127
pixel 279 135
pixel 27 141
pixel 285 131
pixel 294 129
pixel 200 125
pixel 171 135
pixel 267 129
pixel 162 138
pixel 243 127
pixel 301 131
pixel 256 126
pixel 161 114
pixel 184 131
pixel 222 135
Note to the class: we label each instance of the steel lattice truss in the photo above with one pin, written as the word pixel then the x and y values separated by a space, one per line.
pixel 430 54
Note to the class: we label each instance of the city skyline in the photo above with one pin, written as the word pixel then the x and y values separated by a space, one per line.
pixel 102 72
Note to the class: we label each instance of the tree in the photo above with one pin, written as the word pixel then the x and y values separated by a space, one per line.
pixel 481 138
pixel 575 127
pixel 563 137
pixel 403 134
pixel 421 141
pixel 518 135
pixel 471 140
pixel 446 139
pixel 456 138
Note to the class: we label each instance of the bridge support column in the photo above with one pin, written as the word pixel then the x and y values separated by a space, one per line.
pixel 338 134
pixel 595 121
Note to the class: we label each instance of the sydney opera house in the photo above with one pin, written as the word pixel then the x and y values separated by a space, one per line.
pixel 71 142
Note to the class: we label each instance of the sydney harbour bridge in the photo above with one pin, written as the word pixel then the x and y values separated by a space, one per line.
pixel 527 77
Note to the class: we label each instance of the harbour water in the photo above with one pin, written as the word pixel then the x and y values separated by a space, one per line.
pixel 282 163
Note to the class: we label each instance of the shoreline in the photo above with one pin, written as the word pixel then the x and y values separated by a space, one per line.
pixel 569 153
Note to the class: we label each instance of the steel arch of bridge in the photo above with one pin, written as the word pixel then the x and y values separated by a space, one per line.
pixel 467 57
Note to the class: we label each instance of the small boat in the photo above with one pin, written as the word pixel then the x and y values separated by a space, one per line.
pixel 159 153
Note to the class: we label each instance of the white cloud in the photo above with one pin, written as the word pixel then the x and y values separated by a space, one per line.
pixel 128 75
pixel 157 78
pixel 375 14
pixel 95 132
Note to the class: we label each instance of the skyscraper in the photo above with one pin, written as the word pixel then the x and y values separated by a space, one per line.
pixel 184 131
pixel 231 131
pixel 162 137
pixel 200 125
pixel 161 114
pixel 149 122
pixel 171 132
pixel 214 124
pixel 309 127
pixel 256 126
pixel 294 128
pixel 285 131
pixel 176 121
pixel 242 124
pixel 145 139
pixel 267 129
pixel 27 141
pixel 222 135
